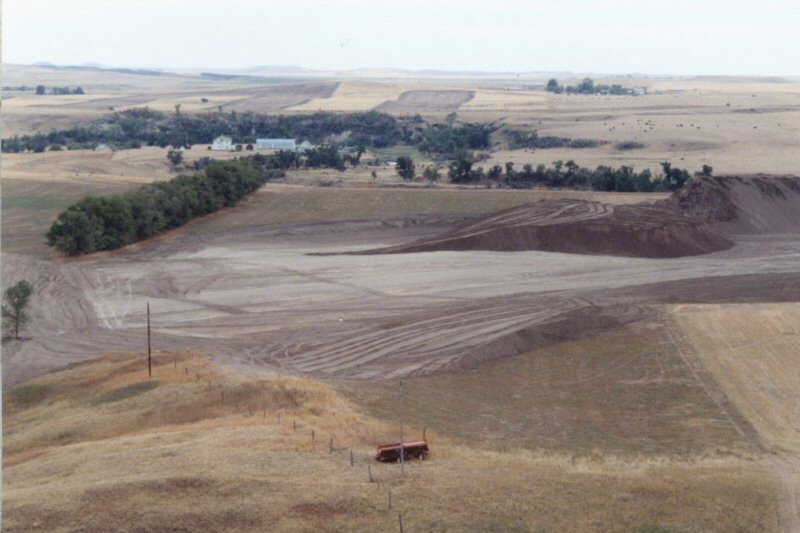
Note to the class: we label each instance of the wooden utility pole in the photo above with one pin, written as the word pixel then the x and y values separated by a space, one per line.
pixel 149 353
pixel 402 448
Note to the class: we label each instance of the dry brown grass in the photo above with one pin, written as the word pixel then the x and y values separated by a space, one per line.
pixel 625 393
pixel 753 351
pixel 177 456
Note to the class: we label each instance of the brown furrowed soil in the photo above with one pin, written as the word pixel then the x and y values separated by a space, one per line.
pixel 260 294
pixel 693 221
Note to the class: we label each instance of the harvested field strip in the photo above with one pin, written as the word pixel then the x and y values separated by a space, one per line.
pixel 753 351
pixel 427 101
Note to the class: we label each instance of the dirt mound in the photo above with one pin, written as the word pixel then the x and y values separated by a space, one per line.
pixel 696 220
pixel 743 204
pixel 642 230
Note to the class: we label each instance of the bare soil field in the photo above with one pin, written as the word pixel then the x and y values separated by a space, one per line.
pixel 258 294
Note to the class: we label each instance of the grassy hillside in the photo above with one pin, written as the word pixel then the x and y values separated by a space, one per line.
pixel 201 448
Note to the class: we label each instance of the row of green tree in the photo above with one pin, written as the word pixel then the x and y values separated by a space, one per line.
pixel 524 139
pixel 571 175
pixel 107 222
pixel 142 126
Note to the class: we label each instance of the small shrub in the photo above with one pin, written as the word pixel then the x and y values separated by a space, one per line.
pixel 629 145
pixel 583 143
pixel 124 393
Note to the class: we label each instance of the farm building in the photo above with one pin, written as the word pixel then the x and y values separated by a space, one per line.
pixel 304 146
pixel 222 143
pixel 275 144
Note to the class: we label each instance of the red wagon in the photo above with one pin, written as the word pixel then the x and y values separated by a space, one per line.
pixel 390 453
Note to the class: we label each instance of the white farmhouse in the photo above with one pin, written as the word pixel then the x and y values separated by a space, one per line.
pixel 304 146
pixel 275 144
pixel 222 143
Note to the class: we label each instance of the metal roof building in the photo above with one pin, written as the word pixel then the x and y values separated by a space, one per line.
pixel 275 144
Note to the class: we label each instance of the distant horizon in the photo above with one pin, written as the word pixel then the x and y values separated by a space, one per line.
pixel 657 37
pixel 260 70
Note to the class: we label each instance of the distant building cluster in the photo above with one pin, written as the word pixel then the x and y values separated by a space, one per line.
pixel 223 143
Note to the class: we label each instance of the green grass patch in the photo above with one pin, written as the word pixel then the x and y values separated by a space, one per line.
pixel 124 393
pixel 31 394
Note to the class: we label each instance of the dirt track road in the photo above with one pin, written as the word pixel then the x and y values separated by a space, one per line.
pixel 256 297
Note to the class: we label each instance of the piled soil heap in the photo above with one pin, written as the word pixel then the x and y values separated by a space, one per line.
pixel 743 204
pixel 699 219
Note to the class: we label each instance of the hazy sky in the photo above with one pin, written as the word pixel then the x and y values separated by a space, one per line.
pixel 612 36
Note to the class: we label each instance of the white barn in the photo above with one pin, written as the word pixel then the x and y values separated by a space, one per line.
pixel 275 144
pixel 222 143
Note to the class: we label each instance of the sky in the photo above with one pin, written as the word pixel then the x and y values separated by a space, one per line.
pixel 674 37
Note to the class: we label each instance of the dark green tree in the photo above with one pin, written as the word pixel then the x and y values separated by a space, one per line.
pixel 15 300
pixel 405 167
pixel 431 174
pixel 175 158
pixel 40 90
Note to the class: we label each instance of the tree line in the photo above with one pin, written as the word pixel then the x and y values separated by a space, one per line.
pixel 136 127
pixel 42 90
pixel 571 175
pixel 524 139
pixel 586 86
pixel 97 223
